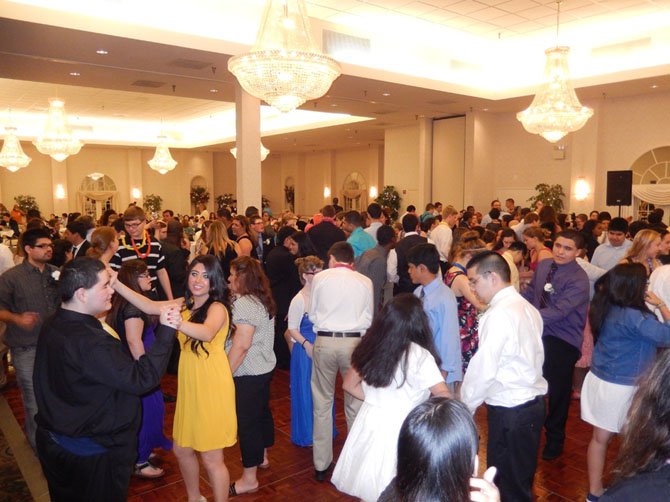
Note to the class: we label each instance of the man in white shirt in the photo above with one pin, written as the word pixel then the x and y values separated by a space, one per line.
pixel 341 308
pixel 613 250
pixel 506 374
pixel 442 235
pixel 377 219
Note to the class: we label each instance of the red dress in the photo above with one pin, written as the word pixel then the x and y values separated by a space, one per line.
pixel 468 323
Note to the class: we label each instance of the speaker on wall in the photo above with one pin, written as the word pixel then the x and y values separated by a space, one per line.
pixel 619 188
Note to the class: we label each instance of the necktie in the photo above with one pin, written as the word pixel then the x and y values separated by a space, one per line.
pixel 259 247
pixel 547 291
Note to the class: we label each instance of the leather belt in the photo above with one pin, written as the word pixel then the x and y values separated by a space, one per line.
pixel 340 334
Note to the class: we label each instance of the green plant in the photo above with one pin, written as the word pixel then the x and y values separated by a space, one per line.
pixel 26 202
pixel 153 203
pixel 389 198
pixel 227 199
pixel 199 194
pixel 549 195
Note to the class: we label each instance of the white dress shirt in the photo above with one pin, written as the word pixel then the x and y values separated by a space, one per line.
pixel 442 237
pixel 341 300
pixel 507 368
pixel 392 263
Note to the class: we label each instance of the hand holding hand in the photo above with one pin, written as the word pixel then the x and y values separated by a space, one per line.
pixel 487 490
pixel 170 316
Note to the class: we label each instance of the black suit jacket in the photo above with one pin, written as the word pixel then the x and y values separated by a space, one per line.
pixel 82 249
pixel 324 235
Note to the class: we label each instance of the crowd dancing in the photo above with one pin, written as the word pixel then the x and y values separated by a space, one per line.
pixel 426 318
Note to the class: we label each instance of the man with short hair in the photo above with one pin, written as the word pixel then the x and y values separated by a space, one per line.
pixel 359 240
pixel 486 219
pixel 138 244
pixel 604 217
pixel 580 221
pixel 530 220
pixel 376 220
pixel 506 374
pixel 28 296
pixel 168 215
pixel 264 243
pixel 615 247
pixel 439 303
pixel 323 235
pixel 510 206
pixel 341 309
pixel 75 233
pixel 226 217
pixel 336 206
pixel 442 235
pixel 560 291
pixel 372 264
pixel 396 265
pixel 88 390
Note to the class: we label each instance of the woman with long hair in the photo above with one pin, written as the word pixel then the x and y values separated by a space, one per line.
pixel 301 344
pixel 437 457
pixel 467 302
pixel 394 368
pixel 505 239
pixel 534 238
pixel 244 235
pixel 627 335
pixel 299 244
pixel 252 361
pixel 204 420
pixel 645 248
pixel 219 244
pixel 591 231
pixel 136 332
pixel 642 468
pixel 104 243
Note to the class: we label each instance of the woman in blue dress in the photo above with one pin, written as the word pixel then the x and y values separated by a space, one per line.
pixel 301 342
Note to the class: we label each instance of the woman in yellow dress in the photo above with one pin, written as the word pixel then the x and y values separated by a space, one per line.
pixel 205 419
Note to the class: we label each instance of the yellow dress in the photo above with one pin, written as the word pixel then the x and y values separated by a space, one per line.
pixel 205 416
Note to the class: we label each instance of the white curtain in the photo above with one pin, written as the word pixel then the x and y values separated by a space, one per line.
pixel 658 195
pixel 99 196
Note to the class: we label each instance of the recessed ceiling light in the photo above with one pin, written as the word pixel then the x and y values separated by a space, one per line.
pixel 213 90
pixel 386 93
pixel 102 52
pixel 486 109
pixel 334 105
pixel 74 73
pixel 654 86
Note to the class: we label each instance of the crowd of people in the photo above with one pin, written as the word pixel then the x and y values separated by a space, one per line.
pixel 426 319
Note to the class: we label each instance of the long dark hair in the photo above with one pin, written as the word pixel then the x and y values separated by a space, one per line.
pixel 645 444
pixel 128 275
pixel 305 246
pixel 251 280
pixel 437 447
pixel 218 292
pixel 624 286
pixel 386 343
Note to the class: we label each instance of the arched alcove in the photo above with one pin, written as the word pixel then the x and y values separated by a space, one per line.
pixel 354 192
pixel 649 169
pixel 96 194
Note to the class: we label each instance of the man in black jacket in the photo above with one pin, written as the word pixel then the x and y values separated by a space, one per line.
pixel 325 234
pixel 88 390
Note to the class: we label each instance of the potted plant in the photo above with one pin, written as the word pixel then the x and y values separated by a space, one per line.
pixel 26 202
pixel 549 195
pixel 153 203
pixel 199 195
pixel 389 198
pixel 225 200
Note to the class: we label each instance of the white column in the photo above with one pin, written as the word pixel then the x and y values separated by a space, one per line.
pixel 248 142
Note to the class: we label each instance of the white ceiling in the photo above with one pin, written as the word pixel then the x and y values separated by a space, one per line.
pixel 429 58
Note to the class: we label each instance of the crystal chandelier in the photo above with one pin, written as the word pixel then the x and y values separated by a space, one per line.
pixel 162 161
pixel 264 152
pixel 57 140
pixel 12 156
pixel 555 110
pixel 284 68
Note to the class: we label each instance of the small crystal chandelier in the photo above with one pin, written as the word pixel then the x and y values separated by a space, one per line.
pixel 284 68
pixel 162 161
pixel 264 152
pixel 57 140
pixel 555 110
pixel 12 156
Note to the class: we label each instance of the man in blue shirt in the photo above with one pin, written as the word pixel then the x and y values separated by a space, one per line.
pixel 359 240
pixel 439 303
pixel 560 291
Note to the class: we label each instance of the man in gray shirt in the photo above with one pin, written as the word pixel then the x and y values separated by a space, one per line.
pixel 613 250
pixel 372 264
pixel 28 295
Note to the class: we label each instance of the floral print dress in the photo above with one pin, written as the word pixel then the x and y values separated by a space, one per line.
pixel 468 323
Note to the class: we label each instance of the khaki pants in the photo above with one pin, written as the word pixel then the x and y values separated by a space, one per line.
pixel 330 356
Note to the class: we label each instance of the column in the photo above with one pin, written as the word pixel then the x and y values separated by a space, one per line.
pixel 248 142
pixel 58 181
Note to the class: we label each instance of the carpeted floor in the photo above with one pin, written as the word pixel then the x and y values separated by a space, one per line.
pixel 13 485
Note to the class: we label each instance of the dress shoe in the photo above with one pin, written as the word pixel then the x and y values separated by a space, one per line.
pixel 320 476
pixel 552 451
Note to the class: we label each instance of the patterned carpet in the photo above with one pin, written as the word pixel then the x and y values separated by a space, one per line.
pixel 13 486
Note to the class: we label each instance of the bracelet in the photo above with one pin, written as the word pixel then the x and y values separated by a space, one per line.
pixel 303 342
pixel 659 306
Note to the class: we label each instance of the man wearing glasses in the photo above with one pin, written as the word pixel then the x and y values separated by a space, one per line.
pixel 28 295
pixel 136 244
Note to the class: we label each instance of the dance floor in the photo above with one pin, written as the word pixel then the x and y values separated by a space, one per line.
pixel 291 474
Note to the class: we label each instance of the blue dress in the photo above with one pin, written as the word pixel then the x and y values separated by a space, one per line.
pixel 301 389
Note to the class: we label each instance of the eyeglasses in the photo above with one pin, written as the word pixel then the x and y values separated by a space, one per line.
pixel 133 225
pixel 43 246
pixel 474 281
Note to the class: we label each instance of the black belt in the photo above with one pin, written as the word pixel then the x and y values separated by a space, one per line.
pixel 340 334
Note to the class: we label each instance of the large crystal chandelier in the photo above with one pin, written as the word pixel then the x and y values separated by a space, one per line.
pixel 12 156
pixel 284 68
pixel 555 110
pixel 264 152
pixel 162 161
pixel 57 140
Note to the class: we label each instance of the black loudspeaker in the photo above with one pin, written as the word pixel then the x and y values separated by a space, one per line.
pixel 619 188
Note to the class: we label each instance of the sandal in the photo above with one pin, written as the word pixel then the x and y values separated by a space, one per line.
pixel 148 471
pixel 232 492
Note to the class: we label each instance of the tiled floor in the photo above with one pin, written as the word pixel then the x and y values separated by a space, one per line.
pixel 290 476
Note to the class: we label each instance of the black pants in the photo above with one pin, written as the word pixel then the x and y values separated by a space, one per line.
pixel 255 426
pixel 559 362
pixel 513 441
pixel 282 353
pixel 73 478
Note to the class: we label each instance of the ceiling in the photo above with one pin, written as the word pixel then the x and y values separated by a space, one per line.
pixel 175 80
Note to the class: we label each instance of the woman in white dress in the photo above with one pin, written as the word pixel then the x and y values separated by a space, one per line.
pixel 394 369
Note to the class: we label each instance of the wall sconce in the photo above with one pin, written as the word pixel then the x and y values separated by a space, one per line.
pixel 136 193
pixel 60 192
pixel 326 192
pixel 582 189
pixel 373 192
